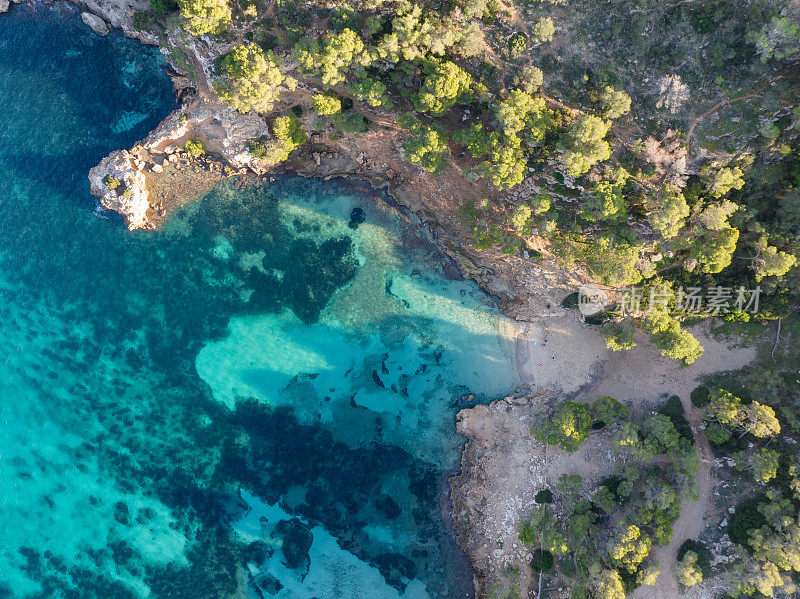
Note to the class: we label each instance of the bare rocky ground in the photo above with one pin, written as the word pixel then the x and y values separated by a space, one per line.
pixel 503 468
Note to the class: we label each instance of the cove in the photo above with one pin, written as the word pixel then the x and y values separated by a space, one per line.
pixel 257 400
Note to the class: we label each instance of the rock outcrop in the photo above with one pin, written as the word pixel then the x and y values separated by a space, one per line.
pixel 120 184
pixel 95 22
pixel 223 131
pixel 118 14
pixel 4 4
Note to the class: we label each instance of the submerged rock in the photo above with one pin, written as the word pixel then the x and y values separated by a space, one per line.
pixel 95 22
pixel 297 539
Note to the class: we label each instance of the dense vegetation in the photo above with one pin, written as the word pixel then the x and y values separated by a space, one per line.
pixel 603 537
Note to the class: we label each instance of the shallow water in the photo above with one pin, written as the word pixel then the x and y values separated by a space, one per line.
pixel 263 393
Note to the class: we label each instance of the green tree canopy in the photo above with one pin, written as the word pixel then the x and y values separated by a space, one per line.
pixel 204 17
pixel 687 572
pixel 609 410
pixel 326 105
pixel 287 136
pixel 568 428
pixel 615 103
pixel 542 30
pixel 445 84
pixel 249 79
pixel 667 213
pixel 618 335
pixel 670 339
pixel 585 145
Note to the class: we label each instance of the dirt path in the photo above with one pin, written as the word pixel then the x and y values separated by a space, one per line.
pixel 696 120
pixel 692 518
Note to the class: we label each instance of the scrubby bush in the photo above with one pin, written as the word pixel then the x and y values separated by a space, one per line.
pixel 544 496
pixel 163 6
pixel 111 181
pixel 195 148
pixel 673 409
pixel 542 30
pixel 326 105
pixel 745 518
pixel 542 560
pixel 700 396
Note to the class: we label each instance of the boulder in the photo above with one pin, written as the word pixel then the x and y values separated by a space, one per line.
pixel 95 22
pixel 4 4
pixel 130 197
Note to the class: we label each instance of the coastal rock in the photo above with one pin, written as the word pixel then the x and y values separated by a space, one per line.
pixel 119 14
pixel 222 130
pixel 4 4
pixel 95 22
pixel 129 196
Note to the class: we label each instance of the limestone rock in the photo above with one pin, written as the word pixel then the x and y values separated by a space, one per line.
pixel 130 198
pixel 223 131
pixel 95 22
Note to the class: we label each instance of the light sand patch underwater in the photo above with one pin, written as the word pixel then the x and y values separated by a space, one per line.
pixel 324 569
pixel 389 354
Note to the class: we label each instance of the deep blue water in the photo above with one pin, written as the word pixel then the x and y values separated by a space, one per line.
pixel 258 399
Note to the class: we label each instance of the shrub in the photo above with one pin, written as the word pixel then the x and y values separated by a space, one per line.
pixel 542 560
pixel 673 410
pixel 571 301
pixel 195 148
pixel 111 181
pixel 527 534
pixel 700 396
pixel 163 6
pixel 344 18
pixel 717 434
pixel 746 518
pixel 145 20
pixel 544 496
pixel 326 105
pixel 350 121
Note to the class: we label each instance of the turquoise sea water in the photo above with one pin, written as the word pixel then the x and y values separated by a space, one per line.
pixel 256 401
